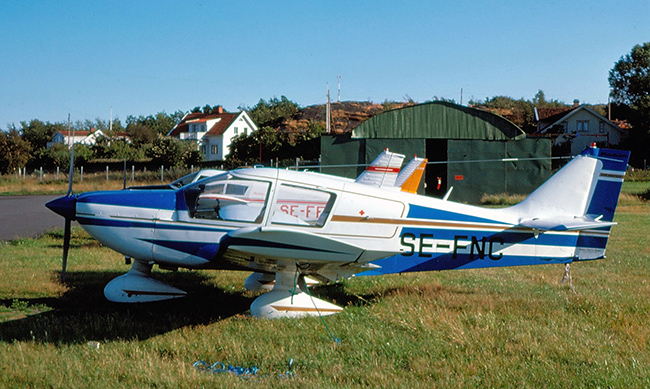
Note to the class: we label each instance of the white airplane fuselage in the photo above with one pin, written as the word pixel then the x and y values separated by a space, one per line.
pixel 279 221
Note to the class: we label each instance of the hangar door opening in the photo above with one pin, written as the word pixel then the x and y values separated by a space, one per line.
pixel 436 172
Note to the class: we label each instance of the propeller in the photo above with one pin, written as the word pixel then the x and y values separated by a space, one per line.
pixel 65 206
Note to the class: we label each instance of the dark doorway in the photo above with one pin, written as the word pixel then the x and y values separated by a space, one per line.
pixel 436 171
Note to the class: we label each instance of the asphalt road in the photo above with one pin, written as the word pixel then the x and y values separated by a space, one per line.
pixel 26 216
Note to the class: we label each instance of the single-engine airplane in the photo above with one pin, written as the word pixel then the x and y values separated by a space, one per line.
pixel 286 225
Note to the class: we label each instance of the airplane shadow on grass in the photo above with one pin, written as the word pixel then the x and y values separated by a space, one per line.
pixel 83 314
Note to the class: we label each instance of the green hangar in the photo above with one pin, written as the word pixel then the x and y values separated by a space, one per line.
pixel 476 152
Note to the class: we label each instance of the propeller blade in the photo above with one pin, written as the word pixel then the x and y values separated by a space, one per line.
pixel 71 159
pixel 66 246
pixel 68 219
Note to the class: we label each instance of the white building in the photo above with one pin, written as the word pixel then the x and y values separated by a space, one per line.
pixel 213 132
pixel 87 138
pixel 580 127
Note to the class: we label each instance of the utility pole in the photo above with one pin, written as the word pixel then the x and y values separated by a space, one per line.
pixel 609 108
pixel 461 96
pixel 328 111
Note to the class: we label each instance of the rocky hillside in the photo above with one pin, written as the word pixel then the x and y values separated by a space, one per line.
pixel 345 116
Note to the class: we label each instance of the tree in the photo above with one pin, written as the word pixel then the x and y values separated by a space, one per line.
pixel 160 123
pixel 272 145
pixel 14 151
pixel 630 77
pixel 271 112
pixel 174 152
pixel 38 134
pixel 630 83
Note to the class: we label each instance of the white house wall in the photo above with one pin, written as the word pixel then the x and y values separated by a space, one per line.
pixel 581 139
pixel 241 125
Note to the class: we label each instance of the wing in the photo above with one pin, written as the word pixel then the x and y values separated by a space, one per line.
pixel 269 248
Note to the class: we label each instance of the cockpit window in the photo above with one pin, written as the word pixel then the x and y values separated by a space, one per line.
pixel 301 206
pixel 228 198
pixel 184 180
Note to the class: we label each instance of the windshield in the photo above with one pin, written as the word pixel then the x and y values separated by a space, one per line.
pixel 225 197
pixel 194 177
pixel 184 180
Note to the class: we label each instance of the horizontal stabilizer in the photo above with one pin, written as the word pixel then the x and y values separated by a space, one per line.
pixel 383 171
pixel 409 178
pixel 565 223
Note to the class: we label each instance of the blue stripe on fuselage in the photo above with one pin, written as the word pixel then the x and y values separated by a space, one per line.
pixel 147 224
pixel 156 199
pixel 420 212
pixel 447 261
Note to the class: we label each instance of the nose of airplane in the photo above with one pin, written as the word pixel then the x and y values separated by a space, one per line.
pixel 64 206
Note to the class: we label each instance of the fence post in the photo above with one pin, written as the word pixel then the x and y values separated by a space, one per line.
pixel 81 177
pixel 57 172
pixel 297 164
pixel 132 172
pixel 192 169
pixel 162 169
pixel 106 172
pixel 41 174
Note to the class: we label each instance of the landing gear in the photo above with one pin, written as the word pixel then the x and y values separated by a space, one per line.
pixel 137 286
pixel 290 298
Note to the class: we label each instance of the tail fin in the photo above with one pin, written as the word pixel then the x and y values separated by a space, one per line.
pixel 582 196
pixel 588 186
pixel 409 178
pixel 383 170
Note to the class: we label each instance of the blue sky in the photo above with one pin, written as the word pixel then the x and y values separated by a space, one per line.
pixel 141 57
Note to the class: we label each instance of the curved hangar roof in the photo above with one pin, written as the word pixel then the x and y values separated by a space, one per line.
pixel 438 120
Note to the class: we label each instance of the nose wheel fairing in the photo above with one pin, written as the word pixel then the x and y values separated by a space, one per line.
pixel 137 286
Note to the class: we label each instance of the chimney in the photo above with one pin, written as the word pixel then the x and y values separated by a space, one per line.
pixel 219 109
pixel 576 103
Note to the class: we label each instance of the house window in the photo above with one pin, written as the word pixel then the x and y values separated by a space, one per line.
pixel 601 127
pixel 582 125
pixel 214 149
pixel 245 131
pixel 204 149
pixel 565 127
pixel 236 130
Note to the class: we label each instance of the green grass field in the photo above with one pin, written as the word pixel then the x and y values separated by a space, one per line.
pixel 488 327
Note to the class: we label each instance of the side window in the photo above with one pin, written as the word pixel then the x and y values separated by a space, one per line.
pixel 229 199
pixel 300 206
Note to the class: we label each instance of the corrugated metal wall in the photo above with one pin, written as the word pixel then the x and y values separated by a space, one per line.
pixel 438 120
pixel 471 179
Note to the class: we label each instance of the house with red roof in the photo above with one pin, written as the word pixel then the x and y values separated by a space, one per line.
pixel 213 132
